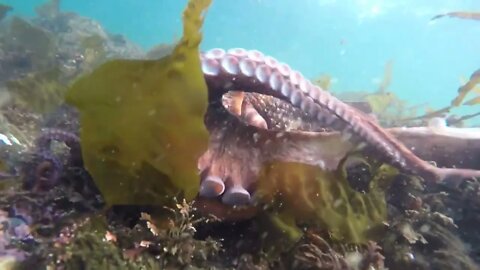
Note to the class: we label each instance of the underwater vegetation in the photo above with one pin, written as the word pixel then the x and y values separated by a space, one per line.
pixel 392 111
pixel 327 199
pixel 122 195
pixel 463 91
pixel 155 115
pixel 382 103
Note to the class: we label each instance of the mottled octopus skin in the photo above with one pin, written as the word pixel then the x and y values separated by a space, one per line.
pixel 269 112
pixel 251 71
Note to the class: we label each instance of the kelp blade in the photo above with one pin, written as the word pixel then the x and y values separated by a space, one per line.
pixel 142 121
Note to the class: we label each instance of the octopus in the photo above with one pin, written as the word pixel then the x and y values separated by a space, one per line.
pixel 261 110
pixel 286 117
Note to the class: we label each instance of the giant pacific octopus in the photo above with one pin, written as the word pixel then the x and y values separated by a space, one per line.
pixel 261 110
pixel 285 116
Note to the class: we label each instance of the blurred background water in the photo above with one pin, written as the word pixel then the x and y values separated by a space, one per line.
pixel 351 40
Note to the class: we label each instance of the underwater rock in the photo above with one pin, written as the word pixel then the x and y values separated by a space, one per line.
pixel 25 47
pixel 422 240
pixel 82 43
pixel 59 39
pixel 63 45
pixel 15 140
pixel 49 10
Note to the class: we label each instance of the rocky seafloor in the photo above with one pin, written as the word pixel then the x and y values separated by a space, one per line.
pixel 66 224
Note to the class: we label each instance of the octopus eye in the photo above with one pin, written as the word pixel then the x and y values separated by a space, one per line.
pixel 358 174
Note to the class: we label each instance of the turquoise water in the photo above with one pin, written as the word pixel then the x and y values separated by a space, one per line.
pixel 350 39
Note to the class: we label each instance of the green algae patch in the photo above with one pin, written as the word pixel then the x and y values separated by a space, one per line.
pixel 141 121
pixel 319 198
pixel 40 91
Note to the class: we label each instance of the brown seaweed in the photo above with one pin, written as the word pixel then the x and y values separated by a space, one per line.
pixel 387 77
pixel 458 101
pixel 465 89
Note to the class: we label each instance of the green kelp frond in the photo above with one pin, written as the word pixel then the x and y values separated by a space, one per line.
pixel 142 121
pixel 317 197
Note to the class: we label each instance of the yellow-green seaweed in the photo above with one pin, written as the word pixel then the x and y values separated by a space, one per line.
pixel 142 121
pixel 312 196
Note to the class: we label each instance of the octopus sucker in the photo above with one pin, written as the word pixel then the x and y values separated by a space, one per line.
pixel 236 195
pixel 212 187
pixel 277 80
